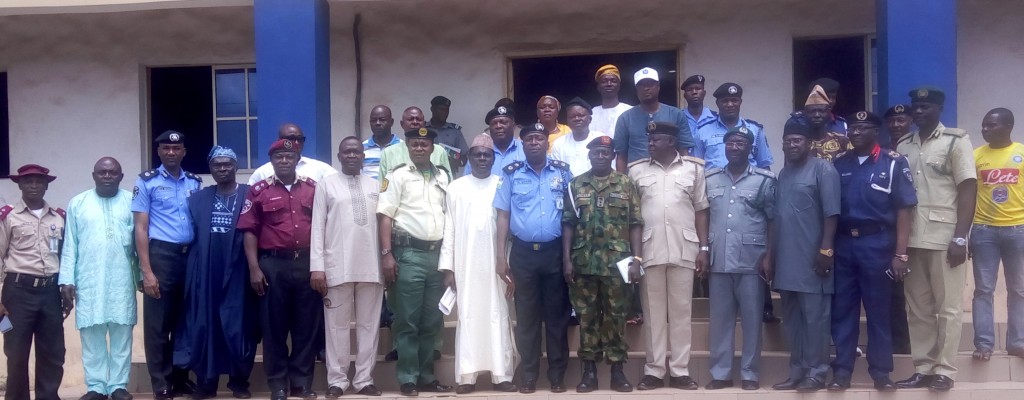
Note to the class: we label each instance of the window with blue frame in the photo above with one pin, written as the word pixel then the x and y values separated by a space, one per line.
pixel 235 112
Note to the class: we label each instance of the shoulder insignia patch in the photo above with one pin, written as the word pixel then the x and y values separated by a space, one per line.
pixel 755 123
pixel 765 172
pixel 60 211
pixel 512 167
pixel 697 160
pixel 147 175
pixel 954 132
pixel 706 123
pixel 894 154
pixel 560 164
pixel 246 206
pixel 259 186
pixel 638 162
pixel 384 184
pixel 397 167
pixel 135 192
pixel 4 211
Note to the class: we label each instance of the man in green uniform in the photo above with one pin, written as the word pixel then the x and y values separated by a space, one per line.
pixel 604 227
pixel 410 217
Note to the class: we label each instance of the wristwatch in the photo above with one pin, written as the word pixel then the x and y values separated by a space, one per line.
pixel 384 252
pixel 638 259
pixel 901 257
pixel 705 248
pixel 827 253
pixel 960 241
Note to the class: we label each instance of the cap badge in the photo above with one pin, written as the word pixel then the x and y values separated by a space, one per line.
pixel 733 90
pixel 651 126
pixel 288 144
pixel 175 137
pixel 744 130
pixel 645 71
pixel 423 131
pixel 898 108
pixel 540 127
pixel 862 116
pixel 700 78
pixel 502 110
pixel 922 93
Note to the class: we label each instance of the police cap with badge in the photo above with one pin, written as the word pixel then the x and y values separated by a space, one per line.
pixel 728 89
pixel 170 137
pixel 500 111
pixel 421 133
pixel 692 80
pixel 740 131
pixel 533 128
pixel 662 128
pixel 604 142
pixel 864 117
pixel 899 109
pixel 928 94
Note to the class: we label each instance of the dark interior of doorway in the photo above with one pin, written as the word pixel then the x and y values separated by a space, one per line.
pixel 566 77
pixel 5 130
pixel 841 59
pixel 181 98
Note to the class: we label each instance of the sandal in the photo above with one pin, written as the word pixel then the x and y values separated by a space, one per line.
pixel 637 320
pixel 982 354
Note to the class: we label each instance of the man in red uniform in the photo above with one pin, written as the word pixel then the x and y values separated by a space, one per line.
pixel 277 218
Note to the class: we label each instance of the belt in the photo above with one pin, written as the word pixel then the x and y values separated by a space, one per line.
pixel 30 280
pixel 537 246
pixel 174 247
pixel 400 240
pixel 286 254
pixel 863 230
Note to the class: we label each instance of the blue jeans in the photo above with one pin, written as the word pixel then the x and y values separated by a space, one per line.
pixel 990 245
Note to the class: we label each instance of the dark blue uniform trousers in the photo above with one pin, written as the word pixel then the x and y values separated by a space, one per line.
pixel 860 267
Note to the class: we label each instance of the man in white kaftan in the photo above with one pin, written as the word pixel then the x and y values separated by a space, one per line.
pixel 99 271
pixel 483 340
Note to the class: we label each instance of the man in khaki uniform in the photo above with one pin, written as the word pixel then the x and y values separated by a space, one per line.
pixel 942 167
pixel 674 205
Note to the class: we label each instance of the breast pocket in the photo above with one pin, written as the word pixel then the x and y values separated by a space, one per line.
pixel 715 193
pixel 275 211
pixel 938 164
pixel 163 195
pixel 23 236
pixel 801 199
pixel 521 195
pixel 618 208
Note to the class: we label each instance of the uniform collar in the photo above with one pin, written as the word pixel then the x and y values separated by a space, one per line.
pixel 677 160
pixel 275 180
pixel 705 114
pixel 511 146
pixel 739 121
pixel 163 172
pixel 915 135
pixel 21 207
pixel 447 125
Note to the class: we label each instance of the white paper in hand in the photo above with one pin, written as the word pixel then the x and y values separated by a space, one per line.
pixel 623 266
pixel 447 302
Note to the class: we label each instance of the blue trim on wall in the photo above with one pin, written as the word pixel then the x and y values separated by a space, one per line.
pixel 917 47
pixel 293 60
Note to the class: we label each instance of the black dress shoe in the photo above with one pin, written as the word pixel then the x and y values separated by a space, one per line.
pixel 683 382
pixel 558 387
pixel 391 356
pixel 163 395
pixel 810 385
pixel 334 392
pixel 769 317
pixel 716 384
pixel 885 385
pixel 369 390
pixel 839 384
pixel 434 386
pixel 91 395
pixel 465 389
pixel 305 393
pixel 940 383
pixel 788 384
pixel 506 386
pixel 750 385
pixel 121 394
pixel 184 388
pixel 409 389
pixel 321 356
pixel 528 387
pixel 203 395
pixel 241 394
pixel 915 381
pixel 650 382
pixel 279 394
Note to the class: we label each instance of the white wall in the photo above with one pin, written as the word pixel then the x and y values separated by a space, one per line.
pixel 990 58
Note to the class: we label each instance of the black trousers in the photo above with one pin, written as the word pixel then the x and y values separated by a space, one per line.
pixel 541 296
pixel 289 307
pixel 898 314
pixel 160 316
pixel 35 313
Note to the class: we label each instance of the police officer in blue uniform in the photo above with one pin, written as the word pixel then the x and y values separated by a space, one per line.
pixel 530 201
pixel 163 234
pixel 870 249
pixel 709 139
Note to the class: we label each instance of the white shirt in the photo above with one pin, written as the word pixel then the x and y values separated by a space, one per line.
pixel 603 119
pixel 307 167
pixel 575 153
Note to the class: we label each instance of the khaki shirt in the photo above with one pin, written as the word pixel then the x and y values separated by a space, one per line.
pixel 670 195
pixel 25 241
pixel 938 164
pixel 415 202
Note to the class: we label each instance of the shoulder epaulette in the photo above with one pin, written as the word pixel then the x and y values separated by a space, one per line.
pixel 560 164
pixel 60 211
pixel 697 160
pixel 456 126
pixel 905 138
pixel 193 176
pixel 446 171
pixel 512 167
pixel 713 112
pixel 797 114
pixel 954 132
pixel 260 186
pixel 396 167
pixel 893 154
pixel 308 180
pixel 147 175
pixel 755 123
pixel 713 171
pixel 637 162
pixel 765 172
pixel 706 123
pixel 4 211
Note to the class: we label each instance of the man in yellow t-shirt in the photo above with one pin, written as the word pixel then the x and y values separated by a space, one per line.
pixel 998 233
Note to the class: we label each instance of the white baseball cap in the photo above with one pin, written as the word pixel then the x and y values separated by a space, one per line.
pixel 645 73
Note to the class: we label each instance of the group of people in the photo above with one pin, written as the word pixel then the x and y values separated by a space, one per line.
pixel 568 220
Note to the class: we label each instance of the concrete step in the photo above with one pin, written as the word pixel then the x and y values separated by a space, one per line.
pixel 774 368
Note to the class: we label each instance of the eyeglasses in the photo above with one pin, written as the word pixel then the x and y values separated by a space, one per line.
pixel 300 139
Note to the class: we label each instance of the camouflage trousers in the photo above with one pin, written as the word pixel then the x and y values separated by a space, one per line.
pixel 601 304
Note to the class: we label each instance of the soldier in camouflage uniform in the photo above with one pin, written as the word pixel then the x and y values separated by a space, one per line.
pixel 604 228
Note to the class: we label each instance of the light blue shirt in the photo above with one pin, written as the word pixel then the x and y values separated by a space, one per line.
pixel 502 159
pixel 711 144
pixel 165 199
pixel 534 199
pixel 705 115
pixel 630 136
pixel 372 151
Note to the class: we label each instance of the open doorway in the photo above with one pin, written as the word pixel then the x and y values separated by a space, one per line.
pixel 841 59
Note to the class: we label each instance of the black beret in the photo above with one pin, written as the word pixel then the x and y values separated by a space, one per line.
pixel 533 128
pixel 928 94
pixel 663 128
pixel 691 80
pixel 741 131
pixel 899 109
pixel 796 126
pixel 729 89
pixel 428 133
pixel 864 117
pixel 829 85
pixel 170 136
pixel 576 101
pixel 440 101
pixel 601 141
pixel 500 111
